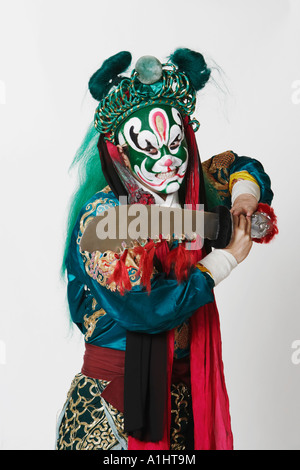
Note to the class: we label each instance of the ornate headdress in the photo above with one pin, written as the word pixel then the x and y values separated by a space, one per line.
pixel 174 83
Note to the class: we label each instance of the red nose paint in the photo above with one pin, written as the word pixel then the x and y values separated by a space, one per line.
pixel 168 162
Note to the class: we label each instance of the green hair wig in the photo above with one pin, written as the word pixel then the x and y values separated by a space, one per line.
pixel 90 180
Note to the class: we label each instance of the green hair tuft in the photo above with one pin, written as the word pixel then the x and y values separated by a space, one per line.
pixel 90 180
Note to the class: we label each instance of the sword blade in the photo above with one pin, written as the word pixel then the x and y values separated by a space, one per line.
pixel 123 225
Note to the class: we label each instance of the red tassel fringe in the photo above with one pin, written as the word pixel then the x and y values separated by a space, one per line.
pixel 146 262
pixel 265 208
pixel 120 275
pixel 180 259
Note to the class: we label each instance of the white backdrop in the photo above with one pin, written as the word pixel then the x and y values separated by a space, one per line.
pixel 49 49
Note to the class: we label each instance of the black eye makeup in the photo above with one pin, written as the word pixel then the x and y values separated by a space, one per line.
pixel 176 142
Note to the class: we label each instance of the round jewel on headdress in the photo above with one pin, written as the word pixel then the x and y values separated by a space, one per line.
pixel 148 69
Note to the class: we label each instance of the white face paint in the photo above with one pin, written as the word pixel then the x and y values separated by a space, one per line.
pixel 157 147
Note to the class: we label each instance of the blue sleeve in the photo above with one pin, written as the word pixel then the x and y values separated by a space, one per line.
pixel 167 305
pixel 219 169
pixel 255 169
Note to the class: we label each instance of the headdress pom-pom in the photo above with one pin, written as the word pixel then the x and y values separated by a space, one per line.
pixel 192 63
pixel 108 75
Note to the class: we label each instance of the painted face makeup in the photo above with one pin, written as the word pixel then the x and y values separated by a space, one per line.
pixel 157 149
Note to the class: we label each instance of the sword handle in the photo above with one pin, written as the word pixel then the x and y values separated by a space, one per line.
pixel 225 227
pixel 263 225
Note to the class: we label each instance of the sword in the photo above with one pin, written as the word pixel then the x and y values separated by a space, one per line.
pixel 124 226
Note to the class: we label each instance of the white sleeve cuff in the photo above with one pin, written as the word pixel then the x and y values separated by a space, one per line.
pixel 245 187
pixel 219 263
